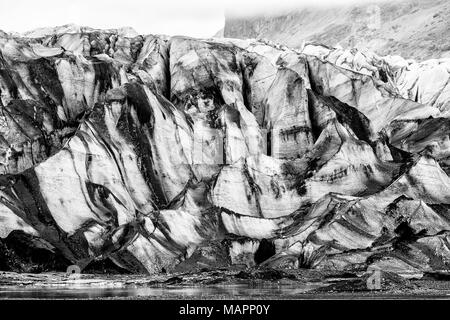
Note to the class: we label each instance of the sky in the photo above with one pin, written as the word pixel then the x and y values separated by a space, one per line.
pixel 195 18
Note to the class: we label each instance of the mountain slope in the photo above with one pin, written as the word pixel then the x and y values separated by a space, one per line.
pixel 415 29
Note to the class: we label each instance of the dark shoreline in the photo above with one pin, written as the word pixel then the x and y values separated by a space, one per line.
pixel 219 285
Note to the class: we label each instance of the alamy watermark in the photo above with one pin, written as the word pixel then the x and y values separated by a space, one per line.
pixel 215 146
pixel 373 18
pixel 374 280
pixel 73 272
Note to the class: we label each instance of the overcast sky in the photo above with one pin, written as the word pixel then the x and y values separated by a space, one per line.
pixel 196 18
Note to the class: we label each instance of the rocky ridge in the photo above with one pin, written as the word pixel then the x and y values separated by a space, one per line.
pixel 163 154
